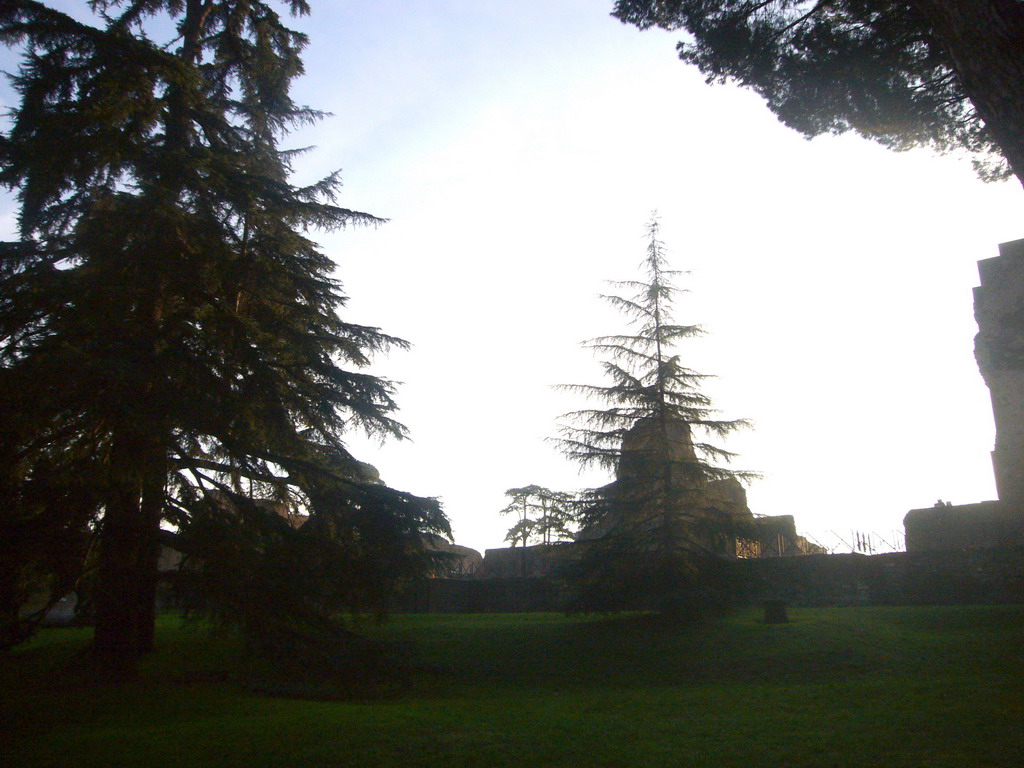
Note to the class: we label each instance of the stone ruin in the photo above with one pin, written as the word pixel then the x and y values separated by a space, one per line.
pixel 716 505
pixel 720 519
pixel 713 508
pixel 999 350
pixel 460 561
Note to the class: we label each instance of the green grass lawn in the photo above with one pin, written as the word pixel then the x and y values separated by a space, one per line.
pixel 890 687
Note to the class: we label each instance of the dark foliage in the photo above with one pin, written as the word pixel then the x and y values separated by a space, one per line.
pixel 545 516
pixel 252 567
pixel 896 71
pixel 622 571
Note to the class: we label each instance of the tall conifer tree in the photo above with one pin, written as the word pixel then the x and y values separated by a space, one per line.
pixel 652 528
pixel 167 326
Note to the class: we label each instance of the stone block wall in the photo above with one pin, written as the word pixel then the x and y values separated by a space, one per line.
pixel 954 577
pixel 963 526
pixel 538 561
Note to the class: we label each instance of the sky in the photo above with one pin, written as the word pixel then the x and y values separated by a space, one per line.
pixel 518 150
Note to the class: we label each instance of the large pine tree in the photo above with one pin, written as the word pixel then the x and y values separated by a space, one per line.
pixel 667 514
pixel 943 73
pixel 170 342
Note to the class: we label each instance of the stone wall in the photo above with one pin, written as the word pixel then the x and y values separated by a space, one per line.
pixel 538 561
pixel 899 578
pixel 964 526
pixel 483 596
pixel 970 576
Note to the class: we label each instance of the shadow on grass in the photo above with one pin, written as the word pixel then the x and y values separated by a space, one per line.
pixel 868 686
pixel 818 646
pixel 440 656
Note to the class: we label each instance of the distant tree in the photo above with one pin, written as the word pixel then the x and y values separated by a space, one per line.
pixel 545 516
pixel 657 525
pixel 170 345
pixel 943 73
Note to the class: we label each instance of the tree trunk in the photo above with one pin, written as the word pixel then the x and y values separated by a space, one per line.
pixel 151 510
pixel 128 555
pixel 985 41
pixel 118 583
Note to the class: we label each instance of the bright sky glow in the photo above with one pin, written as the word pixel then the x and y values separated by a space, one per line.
pixel 518 149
